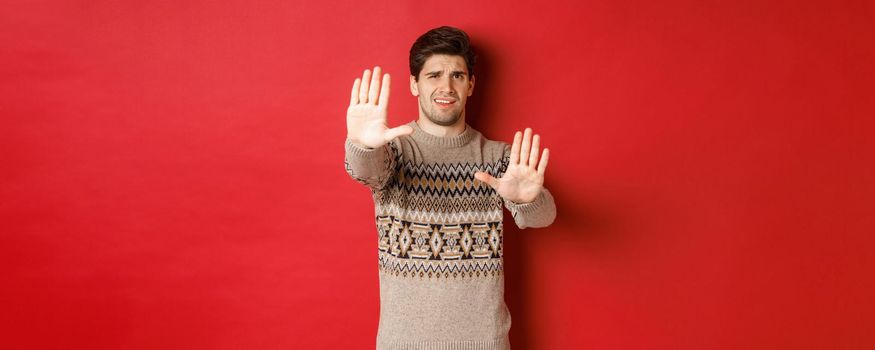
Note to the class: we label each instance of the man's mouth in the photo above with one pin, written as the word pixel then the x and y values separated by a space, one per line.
pixel 444 102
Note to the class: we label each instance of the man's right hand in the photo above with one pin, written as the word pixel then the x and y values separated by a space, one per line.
pixel 366 116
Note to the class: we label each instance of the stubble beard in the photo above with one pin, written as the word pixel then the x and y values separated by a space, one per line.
pixel 447 118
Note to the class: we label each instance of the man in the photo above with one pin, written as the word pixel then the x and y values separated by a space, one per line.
pixel 440 231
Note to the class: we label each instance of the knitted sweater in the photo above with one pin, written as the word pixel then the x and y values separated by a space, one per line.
pixel 440 241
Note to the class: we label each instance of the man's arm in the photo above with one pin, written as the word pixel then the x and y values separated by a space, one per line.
pixel 539 213
pixel 371 167
pixel 521 184
pixel 369 159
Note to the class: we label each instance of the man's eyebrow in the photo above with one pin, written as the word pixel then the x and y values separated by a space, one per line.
pixel 439 72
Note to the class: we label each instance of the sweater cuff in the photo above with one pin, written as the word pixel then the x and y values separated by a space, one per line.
pixel 531 207
pixel 358 150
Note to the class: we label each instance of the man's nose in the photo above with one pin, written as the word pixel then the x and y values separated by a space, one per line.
pixel 446 85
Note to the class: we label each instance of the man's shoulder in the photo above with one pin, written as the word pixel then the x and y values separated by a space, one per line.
pixel 494 149
pixel 490 142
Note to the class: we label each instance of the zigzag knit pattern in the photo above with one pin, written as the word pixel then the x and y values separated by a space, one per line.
pixel 436 220
pixel 440 238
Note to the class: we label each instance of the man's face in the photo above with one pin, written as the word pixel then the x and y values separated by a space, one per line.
pixel 443 88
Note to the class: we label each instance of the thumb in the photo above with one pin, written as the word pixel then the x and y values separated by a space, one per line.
pixel 488 179
pixel 392 133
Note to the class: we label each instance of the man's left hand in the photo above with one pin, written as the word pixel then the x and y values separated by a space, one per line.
pixel 523 180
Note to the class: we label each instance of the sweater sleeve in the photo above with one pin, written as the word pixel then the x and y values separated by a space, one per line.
pixel 372 167
pixel 539 213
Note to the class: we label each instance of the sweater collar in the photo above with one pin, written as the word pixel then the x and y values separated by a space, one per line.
pixel 449 141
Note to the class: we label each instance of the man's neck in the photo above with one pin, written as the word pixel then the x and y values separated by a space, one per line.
pixel 442 131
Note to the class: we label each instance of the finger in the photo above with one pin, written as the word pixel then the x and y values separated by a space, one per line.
pixel 515 148
pixel 384 91
pixel 533 155
pixel 363 90
pixel 391 134
pixel 524 149
pixel 375 86
pixel 542 166
pixel 488 179
pixel 354 97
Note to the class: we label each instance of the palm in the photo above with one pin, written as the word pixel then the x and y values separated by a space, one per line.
pixel 520 184
pixel 366 123
pixel 523 179
pixel 366 115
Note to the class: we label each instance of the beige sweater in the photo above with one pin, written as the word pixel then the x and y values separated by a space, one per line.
pixel 440 238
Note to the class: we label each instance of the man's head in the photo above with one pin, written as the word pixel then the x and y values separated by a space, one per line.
pixel 442 74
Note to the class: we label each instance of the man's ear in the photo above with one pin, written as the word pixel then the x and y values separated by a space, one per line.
pixel 471 85
pixel 414 89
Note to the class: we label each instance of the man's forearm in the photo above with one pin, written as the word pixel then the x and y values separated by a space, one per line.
pixel 539 213
pixel 369 166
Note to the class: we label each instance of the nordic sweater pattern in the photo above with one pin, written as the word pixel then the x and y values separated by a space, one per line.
pixel 440 238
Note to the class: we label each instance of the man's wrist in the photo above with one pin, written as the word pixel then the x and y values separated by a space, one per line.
pixel 521 203
pixel 355 143
pixel 538 196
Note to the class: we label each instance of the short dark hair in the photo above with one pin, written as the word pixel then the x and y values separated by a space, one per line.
pixel 441 41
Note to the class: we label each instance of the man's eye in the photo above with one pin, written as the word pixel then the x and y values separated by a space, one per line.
pixel 457 76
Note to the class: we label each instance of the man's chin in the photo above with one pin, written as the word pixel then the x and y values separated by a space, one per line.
pixel 444 120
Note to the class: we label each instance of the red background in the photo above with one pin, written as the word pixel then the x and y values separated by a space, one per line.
pixel 172 172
